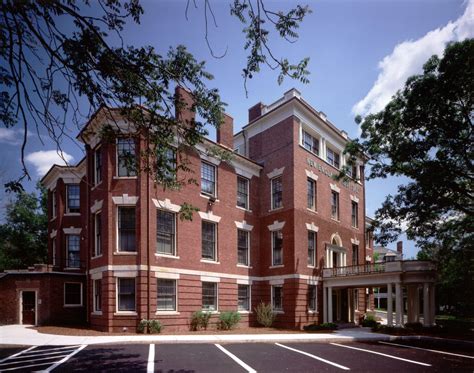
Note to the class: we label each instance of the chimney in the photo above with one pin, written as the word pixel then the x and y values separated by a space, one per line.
pixel 400 248
pixel 255 111
pixel 225 132
pixel 184 105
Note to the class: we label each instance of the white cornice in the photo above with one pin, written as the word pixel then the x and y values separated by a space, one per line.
pixel 125 199
pixel 72 230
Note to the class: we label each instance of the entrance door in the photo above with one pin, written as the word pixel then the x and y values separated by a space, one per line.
pixel 28 311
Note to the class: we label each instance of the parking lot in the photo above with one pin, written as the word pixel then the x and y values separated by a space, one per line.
pixel 245 357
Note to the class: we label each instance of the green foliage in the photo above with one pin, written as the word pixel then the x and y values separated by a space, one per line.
pixel 320 327
pixel 154 326
pixel 24 235
pixel 142 326
pixel 200 319
pixel 265 314
pixel 228 319
pixel 369 321
pixel 425 134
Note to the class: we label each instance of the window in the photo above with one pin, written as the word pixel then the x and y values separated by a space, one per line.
pixel 126 294
pixel 209 296
pixel 332 157
pixel 243 247
pixel 98 166
pixel 166 233
pixel 126 229
pixel 97 295
pixel 311 185
pixel 244 298
pixel 335 205
pixel 311 248
pixel 355 215
pixel 53 244
pixel 352 171
pixel 208 179
pixel 355 255
pixel 243 192
pixel 167 166
pixel 277 298
pixel 97 235
pixel 53 204
pixel 356 299
pixel 312 298
pixel 310 143
pixel 72 294
pixel 72 247
pixel 208 240
pixel 126 162
pixel 277 248
pixel 166 300
pixel 73 199
pixel 277 187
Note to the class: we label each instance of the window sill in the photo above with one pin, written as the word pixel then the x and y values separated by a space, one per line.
pixel 277 266
pixel 278 312
pixel 210 261
pixel 245 312
pixel 357 228
pixel 207 196
pixel 72 214
pixel 312 312
pixel 72 305
pixel 311 210
pixel 310 266
pixel 124 177
pixel 96 313
pixel 167 313
pixel 125 253
pixel 244 266
pixel 52 219
pixel 336 220
pixel 125 313
pixel 97 256
pixel 211 312
pixel 166 256
pixel 96 186
pixel 243 209
pixel 276 209
pixel 72 268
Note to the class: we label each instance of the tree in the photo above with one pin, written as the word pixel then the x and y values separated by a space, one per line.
pixel 426 133
pixel 23 237
pixel 55 52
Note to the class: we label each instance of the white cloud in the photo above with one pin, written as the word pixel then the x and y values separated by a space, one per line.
pixel 408 58
pixel 43 160
pixel 9 136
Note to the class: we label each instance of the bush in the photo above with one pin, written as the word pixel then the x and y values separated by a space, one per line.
pixel 323 326
pixel 200 319
pixel 142 326
pixel 415 326
pixel 369 321
pixel 228 320
pixel 265 314
pixel 154 326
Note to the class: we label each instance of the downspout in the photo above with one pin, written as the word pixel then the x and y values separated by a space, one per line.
pixel 89 232
pixel 148 230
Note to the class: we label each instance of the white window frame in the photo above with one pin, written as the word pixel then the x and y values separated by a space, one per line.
pixel 117 157
pixel 315 245
pixel 214 192
pixel 314 183
pixel 248 248
pixel 66 236
pixel 97 242
pixel 174 253
pixel 277 310
pixel 273 247
pixel 216 236
pixel 163 311
pixel 94 300
pixel 98 151
pixel 271 193
pixel 338 206
pixel 128 312
pixel 249 287
pixel 216 284
pixel 68 211
pixel 334 153
pixel 356 225
pixel 53 249
pixel 123 252
pixel 311 310
pixel 64 295
pixel 54 204
pixel 303 131
pixel 247 202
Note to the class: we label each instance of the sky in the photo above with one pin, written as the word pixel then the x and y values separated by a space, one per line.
pixel 361 53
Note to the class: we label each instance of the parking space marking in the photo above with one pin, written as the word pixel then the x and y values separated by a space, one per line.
pixel 427 349
pixel 29 361
pixel 63 360
pixel 18 353
pixel 26 366
pixel 314 357
pixel 150 368
pixel 52 349
pixel 248 368
pixel 382 354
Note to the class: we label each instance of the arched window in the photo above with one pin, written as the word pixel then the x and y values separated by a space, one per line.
pixel 336 240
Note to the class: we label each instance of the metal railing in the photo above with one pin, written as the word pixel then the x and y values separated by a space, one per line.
pixel 364 269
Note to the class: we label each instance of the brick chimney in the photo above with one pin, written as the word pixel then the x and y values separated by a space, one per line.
pixel 184 104
pixel 400 248
pixel 225 133
pixel 255 111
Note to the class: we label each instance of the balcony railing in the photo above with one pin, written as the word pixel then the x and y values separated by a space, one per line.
pixel 365 269
pixel 70 264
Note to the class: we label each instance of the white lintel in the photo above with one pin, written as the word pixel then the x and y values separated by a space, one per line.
pixel 166 205
pixel 243 225
pixel 125 199
pixel 276 226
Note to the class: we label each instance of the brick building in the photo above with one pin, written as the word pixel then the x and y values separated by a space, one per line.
pixel 270 219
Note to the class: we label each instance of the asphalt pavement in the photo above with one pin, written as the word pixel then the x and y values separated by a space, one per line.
pixel 380 357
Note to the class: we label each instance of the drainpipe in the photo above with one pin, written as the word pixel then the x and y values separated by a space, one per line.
pixel 148 231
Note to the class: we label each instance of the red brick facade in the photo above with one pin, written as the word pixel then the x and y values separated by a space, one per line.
pixel 271 145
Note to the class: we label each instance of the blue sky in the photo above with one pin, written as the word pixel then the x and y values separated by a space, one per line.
pixel 361 52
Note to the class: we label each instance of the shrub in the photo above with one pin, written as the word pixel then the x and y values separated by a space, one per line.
pixel 265 314
pixel 200 319
pixel 369 321
pixel 323 326
pixel 415 326
pixel 228 320
pixel 154 326
pixel 142 326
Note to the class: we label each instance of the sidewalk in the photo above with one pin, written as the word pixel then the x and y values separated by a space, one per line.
pixel 22 335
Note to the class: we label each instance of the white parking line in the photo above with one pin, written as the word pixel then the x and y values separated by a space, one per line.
pixel 32 360
pixel 314 357
pixel 427 349
pixel 248 368
pixel 381 354
pixel 27 366
pixel 52 349
pixel 150 368
pixel 29 356
pixel 18 353
pixel 63 360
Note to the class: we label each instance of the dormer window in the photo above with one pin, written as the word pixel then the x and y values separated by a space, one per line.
pixel 126 162
pixel 310 143
pixel 332 158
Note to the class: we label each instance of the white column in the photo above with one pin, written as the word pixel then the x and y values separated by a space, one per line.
pixel 398 304
pixel 329 304
pixel 432 304
pixel 325 304
pixel 389 305
pixel 426 304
